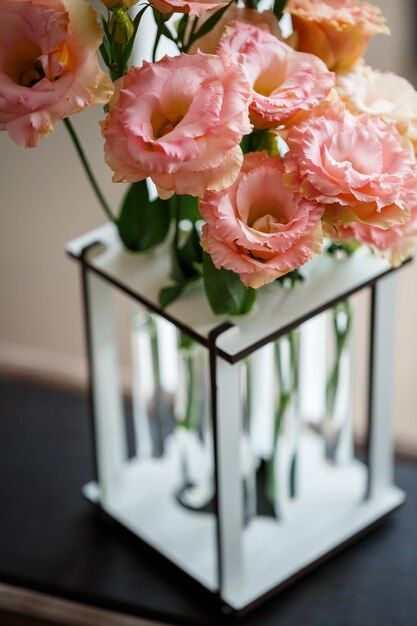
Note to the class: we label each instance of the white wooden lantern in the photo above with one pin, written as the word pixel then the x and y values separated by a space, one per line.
pixel 239 564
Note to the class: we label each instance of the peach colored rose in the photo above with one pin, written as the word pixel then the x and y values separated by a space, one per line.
pixel 263 19
pixel 356 165
pixel 193 7
pixel 259 228
pixel 285 83
pixel 337 31
pixel 396 244
pixel 48 65
pixel 179 121
pixel 383 94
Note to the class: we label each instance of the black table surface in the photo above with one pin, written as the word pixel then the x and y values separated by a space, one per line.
pixel 52 540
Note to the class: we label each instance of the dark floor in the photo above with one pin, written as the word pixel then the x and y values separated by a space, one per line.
pixel 51 540
pixel 11 619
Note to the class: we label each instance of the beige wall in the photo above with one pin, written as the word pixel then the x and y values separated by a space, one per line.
pixel 45 201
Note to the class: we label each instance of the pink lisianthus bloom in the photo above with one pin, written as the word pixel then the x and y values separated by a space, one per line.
pixel 48 65
pixel 285 83
pixel 337 31
pixel 193 7
pixel 357 166
pixel 263 19
pixel 381 94
pixel 179 121
pixel 396 244
pixel 258 227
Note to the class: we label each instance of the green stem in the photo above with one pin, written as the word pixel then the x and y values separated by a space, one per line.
pixel 278 8
pixel 157 38
pixel 341 336
pixel 192 31
pixel 177 212
pixel 187 422
pixel 288 385
pixel 77 145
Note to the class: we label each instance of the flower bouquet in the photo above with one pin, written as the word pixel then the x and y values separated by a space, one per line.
pixel 259 144
pixel 245 155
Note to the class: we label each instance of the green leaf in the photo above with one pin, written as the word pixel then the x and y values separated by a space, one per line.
pixel 189 209
pixel 160 20
pixel 198 268
pixel 290 279
pixel 107 48
pixel 263 139
pixel 185 342
pixel 185 257
pixel 225 291
pixel 105 28
pixel 245 144
pixel 279 6
pixel 208 25
pixel 105 53
pixel 142 224
pixel 167 33
pixel 191 252
pixel 177 271
pixel 182 25
pixel 127 51
pixel 171 293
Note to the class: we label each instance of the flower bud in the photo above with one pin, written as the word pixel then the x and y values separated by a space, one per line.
pixel 119 4
pixel 121 27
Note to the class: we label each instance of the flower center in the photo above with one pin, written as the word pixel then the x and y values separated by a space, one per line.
pixel 267 224
pixel 31 74
pixel 164 124
pixel 167 128
pixel 267 217
pixel 263 87
pixel 272 75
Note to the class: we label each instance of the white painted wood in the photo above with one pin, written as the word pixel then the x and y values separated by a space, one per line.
pixel 381 453
pixel 262 399
pixel 313 368
pixel 331 508
pixel 326 278
pixel 109 421
pixel 167 354
pixel 143 379
pixel 145 504
pixel 330 511
pixel 229 468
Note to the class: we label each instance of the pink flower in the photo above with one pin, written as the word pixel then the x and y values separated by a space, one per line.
pixel 48 65
pixel 285 83
pixel 356 165
pixel 179 121
pixel 337 31
pixel 263 19
pixel 396 244
pixel 193 7
pixel 259 228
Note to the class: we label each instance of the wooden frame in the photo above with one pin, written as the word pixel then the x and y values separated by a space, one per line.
pixel 215 551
